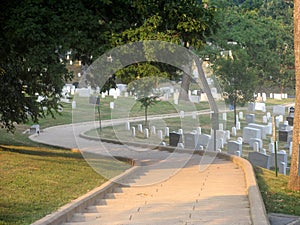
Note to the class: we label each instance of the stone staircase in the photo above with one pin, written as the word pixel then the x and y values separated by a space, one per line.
pixel 216 195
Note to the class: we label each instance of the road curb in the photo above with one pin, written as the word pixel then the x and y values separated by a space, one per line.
pixel 257 207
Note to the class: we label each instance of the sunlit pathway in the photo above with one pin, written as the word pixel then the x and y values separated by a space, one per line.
pixel 216 195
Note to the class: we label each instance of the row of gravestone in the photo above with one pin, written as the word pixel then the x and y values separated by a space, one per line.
pixel 195 139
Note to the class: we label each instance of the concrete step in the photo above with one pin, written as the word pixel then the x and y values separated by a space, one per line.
pixel 84 217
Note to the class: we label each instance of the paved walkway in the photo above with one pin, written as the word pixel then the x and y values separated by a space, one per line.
pixel 216 195
pixel 173 188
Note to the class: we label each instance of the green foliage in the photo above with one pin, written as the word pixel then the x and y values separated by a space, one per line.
pixel 236 77
pixel 265 30
pixel 276 195
pixel 147 102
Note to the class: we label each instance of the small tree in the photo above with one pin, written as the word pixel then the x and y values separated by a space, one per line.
pixel 146 103
pixel 236 79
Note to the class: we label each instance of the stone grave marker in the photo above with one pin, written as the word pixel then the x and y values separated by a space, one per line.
pixel 190 140
pixel 174 139
pixel 233 147
pixel 263 129
pixel 250 132
pixel 233 131
pixel 203 140
pixel 241 115
pixel 224 116
pixel 256 140
pixel 281 157
pixel 250 118
pixel 34 129
pixel 271 147
pixel 265 119
pixel 282 168
pixel 153 130
pixel 127 126
pixel 111 105
pixel 251 106
pixel 133 131
pixel 278 110
pixel 167 131
pixel 259 159
pixel 255 147
pixel 146 133
pixel 160 135
pixel 140 128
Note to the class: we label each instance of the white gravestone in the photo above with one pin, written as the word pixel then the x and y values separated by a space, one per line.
pixel 140 128
pixel 127 126
pixel 255 147
pixel 265 119
pixel 271 147
pixel 233 147
pixel 153 130
pixel 220 126
pixel 262 128
pixel 279 110
pixel 251 106
pixel 269 129
pixel 146 133
pixel 281 157
pixel 160 135
pixel 250 118
pixel 233 131
pixel 180 146
pixel 268 115
pixel 238 125
pixel 240 139
pixel 167 131
pixel 256 140
pixel 264 97
pixel 111 105
pixel 282 168
pixel 259 159
pixel 203 140
pixel 250 132
pixel 241 115
pixel 133 131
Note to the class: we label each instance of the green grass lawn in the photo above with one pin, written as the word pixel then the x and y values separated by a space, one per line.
pixel 277 197
pixel 36 181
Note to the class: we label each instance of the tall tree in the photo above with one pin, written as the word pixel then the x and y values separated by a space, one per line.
pixel 294 180
pixel 183 22
pixel 265 31
pixel 35 37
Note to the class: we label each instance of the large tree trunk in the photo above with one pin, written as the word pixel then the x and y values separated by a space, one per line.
pixel 186 78
pixel 185 85
pixel 294 180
